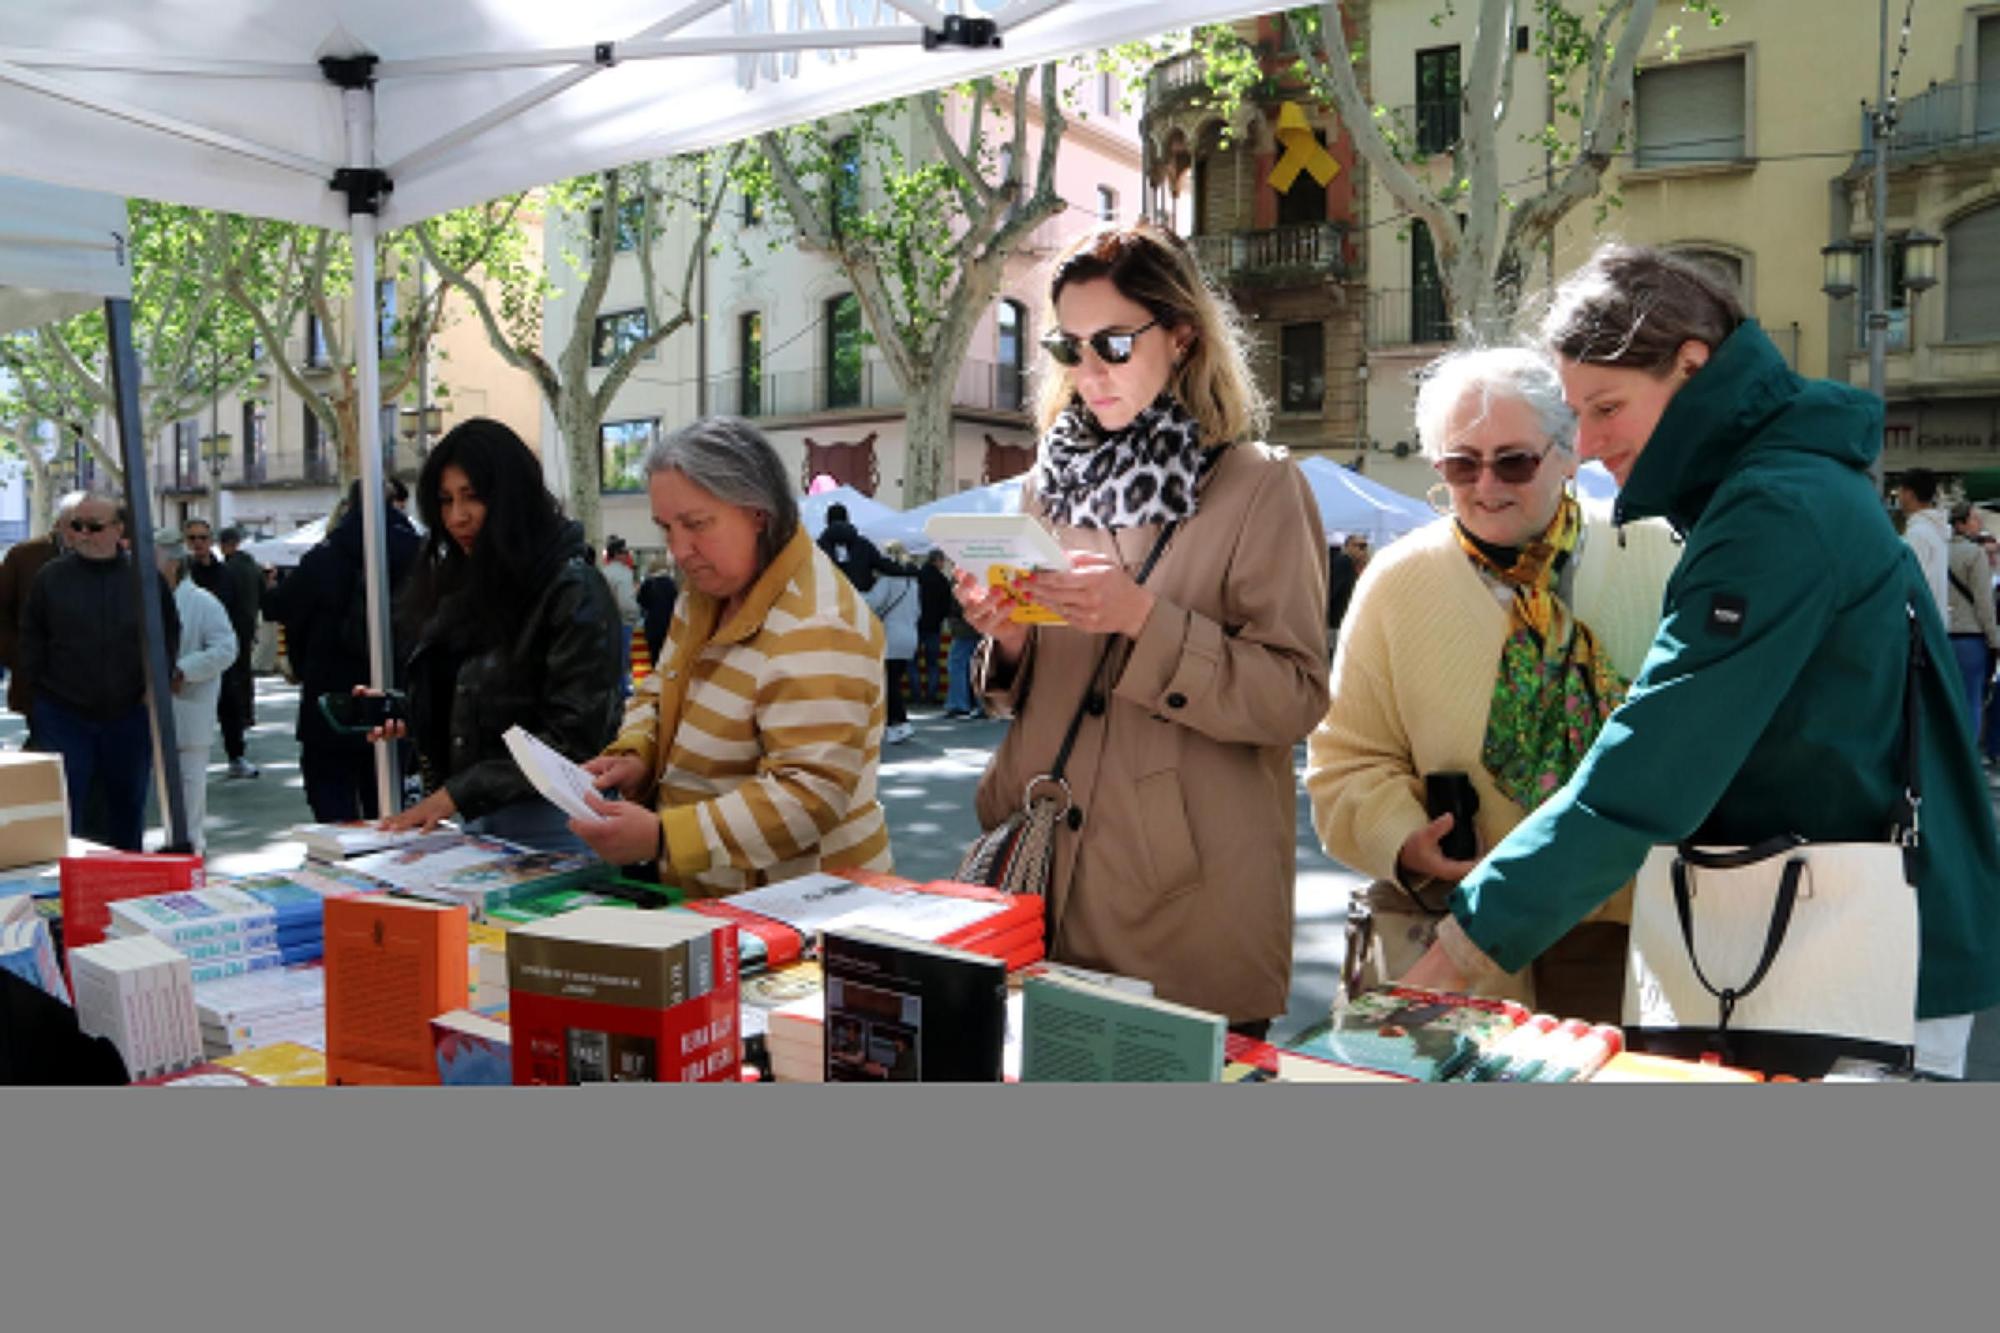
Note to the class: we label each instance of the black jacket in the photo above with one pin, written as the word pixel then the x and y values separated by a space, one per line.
pixel 857 557
pixel 935 600
pixel 656 600
pixel 322 606
pixel 80 638
pixel 558 678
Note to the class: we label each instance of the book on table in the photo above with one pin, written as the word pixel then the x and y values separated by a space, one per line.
pixel 27 949
pixel 1428 1036
pixel 472 1050
pixel 91 883
pixel 137 992
pixel 479 872
pixel 1076 1030
pixel 392 965
pixel 608 995
pixel 1002 550
pixel 284 1064
pixel 900 1009
pixel 786 918
pixel 337 842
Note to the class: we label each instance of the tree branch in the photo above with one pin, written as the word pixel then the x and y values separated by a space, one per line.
pixel 520 358
pixel 973 191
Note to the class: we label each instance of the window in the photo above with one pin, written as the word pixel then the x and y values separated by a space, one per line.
pixel 256 443
pixel 1986 104
pixel 843 351
pixel 1305 201
pixel 844 184
pixel 1012 321
pixel 1692 112
pixel 1430 322
pixel 316 353
pixel 1438 94
pixel 1201 200
pixel 316 468
pixel 1107 204
pixel 750 364
pixel 1302 368
pixel 1899 296
pixel 631 221
pixel 1107 93
pixel 616 334
pixel 622 447
pixel 385 317
pixel 187 454
pixel 753 208
pixel 1972 277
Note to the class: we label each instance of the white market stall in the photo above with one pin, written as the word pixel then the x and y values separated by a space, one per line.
pixel 363 114
pixel 1349 502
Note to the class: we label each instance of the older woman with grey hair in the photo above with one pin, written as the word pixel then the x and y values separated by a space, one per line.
pixel 1481 655
pixel 750 755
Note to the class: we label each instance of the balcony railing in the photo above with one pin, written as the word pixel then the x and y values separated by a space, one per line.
pixel 1944 118
pixel 1401 317
pixel 1173 78
pixel 1315 247
pixel 980 385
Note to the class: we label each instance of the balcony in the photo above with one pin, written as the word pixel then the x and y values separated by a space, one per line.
pixel 981 386
pixel 1171 80
pixel 1253 257
pixel 1943 119
pixel 1402 317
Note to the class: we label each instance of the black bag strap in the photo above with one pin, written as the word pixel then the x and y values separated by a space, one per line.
pixel 1090 690
pixel 1963 591
pixel 1781 920
pixel 1905 823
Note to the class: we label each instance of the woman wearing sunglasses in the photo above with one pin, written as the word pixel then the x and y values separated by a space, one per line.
pixel 1491 645
pixel 1772 701
pixel 1193 657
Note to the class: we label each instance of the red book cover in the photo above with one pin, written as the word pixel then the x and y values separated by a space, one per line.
pixel 1014 928
pixel 1022 942
pixel 782 944
pixel 90 884
pixel 392 965
pixel 601 995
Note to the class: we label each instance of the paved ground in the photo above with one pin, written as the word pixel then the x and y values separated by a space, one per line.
pixel 927 785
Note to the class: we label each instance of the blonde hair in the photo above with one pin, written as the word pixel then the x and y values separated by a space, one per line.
pixel 1151 266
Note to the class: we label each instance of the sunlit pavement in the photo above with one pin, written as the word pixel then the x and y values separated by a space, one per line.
pixel 926 785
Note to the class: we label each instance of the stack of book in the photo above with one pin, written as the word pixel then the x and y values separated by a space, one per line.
pixel 285 1064
pixel 257 1009
pixel 780 923
pixel 337 842
pixel 231 928
pixel 91 883
pixel 138 993
pixel 474 871
pixel 795 1039
pixel 605 995
pixel 1402 1033
pixel 392 965
pixel 473 1049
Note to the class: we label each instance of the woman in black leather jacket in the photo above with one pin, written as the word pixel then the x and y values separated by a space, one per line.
pixel 511 624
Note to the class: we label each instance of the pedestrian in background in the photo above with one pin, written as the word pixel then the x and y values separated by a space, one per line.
pixel 894 599
pixel 1975 635
pixel 236 708
pixel 623 580
pixel 657 593
pixel 17 575
pixel 935 605
pixel 207 649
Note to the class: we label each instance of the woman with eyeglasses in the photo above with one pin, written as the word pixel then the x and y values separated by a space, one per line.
pixel 1772 702
pixel 1491 645
pixel 1193 657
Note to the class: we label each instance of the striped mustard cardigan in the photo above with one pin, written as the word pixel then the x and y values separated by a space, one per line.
pixel 763 734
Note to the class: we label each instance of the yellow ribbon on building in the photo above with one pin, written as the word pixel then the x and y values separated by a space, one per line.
pixel 1302 151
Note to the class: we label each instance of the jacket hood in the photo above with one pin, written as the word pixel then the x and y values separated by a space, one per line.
pixel 1722 415
pixel 400 533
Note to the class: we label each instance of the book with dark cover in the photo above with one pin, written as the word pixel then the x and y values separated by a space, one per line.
pixel 905 1010
pixel 1424 1035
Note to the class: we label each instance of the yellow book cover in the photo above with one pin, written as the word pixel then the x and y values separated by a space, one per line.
pixel 283 1064
pixel 1001 550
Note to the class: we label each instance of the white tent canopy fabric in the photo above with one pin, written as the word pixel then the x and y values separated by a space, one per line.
pixel 862 510
pixel 1349 502
pixel 907 526
pixel 223 103
pixel 62 252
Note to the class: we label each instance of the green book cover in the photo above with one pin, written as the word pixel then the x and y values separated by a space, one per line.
pixel 1077 1031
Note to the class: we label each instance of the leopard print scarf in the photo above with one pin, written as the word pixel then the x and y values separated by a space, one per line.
pixel 1145 473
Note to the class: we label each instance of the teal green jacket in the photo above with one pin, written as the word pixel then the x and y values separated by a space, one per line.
pixel 1771 700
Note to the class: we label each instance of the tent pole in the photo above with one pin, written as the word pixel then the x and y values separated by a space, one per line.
pixel 145 576
pixel 365 187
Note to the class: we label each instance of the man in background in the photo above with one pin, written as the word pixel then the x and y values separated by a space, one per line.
pixel 243 588
pixel 17 575
pixel 1925 530
pixel 1344 567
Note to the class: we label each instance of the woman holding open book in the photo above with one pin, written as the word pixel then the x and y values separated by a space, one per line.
pixel 511 625
pixel 1193 654
pixel 750 755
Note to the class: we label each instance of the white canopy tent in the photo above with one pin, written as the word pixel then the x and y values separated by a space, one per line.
pixel 370 113
pixel 62 252
pixel 907 527
pixel 862 510
pixel 1349 502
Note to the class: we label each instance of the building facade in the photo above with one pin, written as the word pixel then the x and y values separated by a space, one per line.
pixel 779 335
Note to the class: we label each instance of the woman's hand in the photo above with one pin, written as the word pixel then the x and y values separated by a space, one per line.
pixel 1421 854
pixel 1095 595
pixel 626 773
pixel 424 815
pixel 628 834
pixel 392 730
pixel 989 610
pixel 1435 971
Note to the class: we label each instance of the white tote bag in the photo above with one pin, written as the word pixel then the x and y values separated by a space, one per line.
pixel 1788 942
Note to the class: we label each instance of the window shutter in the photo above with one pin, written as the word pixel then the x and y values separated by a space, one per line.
pixel 1972 277
pixel 1691 113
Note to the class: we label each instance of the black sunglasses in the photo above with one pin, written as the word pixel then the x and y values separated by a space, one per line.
pixel 1113 349
pixel 87 525
pixel 1516 467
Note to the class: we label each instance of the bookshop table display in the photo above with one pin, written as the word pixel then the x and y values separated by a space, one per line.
pixel 449 958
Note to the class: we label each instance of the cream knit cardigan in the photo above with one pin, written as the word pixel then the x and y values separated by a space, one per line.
pixel 1413 679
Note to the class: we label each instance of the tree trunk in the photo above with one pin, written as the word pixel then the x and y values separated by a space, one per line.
pixel 927 461
pixel 577 420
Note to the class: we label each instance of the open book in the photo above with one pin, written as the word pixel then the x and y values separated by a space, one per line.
pixel 562 783
pixel 1001 550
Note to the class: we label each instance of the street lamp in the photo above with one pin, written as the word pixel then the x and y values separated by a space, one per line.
pixel 421 425
pixel 1842 261
pixel 215 452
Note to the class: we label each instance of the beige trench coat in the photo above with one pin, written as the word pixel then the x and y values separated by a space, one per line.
pixel 1181 871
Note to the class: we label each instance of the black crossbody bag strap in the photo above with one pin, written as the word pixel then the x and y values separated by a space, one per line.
pixel 1781 920
pixel 1905 825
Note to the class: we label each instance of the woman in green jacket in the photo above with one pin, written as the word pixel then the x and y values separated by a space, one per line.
pixel 1771 700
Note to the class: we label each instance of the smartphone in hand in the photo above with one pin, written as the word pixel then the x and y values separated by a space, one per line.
pixel 359 714
pixel 1454 794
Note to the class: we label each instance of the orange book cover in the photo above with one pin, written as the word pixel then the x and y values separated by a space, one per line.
pixel 392 965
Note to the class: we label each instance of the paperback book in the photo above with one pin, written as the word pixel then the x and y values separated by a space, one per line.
pixel 392 965
pixel 472 1050
pixel 1001 551
pixel 337 842
pixel 138 993
pixel 90 884
pixel 1429 1036
pixel 1080 1031
pixel 907 1010
pixel 28 951
pixel 787 917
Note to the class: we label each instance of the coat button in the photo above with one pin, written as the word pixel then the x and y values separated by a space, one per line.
pixel 1177 700
pixel 1075 819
